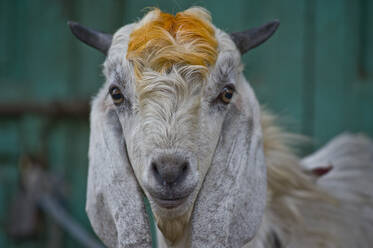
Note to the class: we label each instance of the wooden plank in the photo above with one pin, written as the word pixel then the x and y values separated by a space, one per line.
pixel 276 69
pixel 337 35
pixel 46 70
pixel 308 95
pixel 67 156
pixel 10 140
pixel 362 94
pixel 9 153
pixel 13 73
pixel 31 135
pixel 78 169
pixel 8 179
pixel 366 39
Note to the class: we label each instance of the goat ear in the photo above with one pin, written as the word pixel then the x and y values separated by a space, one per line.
pixel 91 37
pixel 231 203
pixel 114 204
pixel 254 37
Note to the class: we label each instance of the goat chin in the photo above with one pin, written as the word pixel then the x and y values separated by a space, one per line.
pixel 172 231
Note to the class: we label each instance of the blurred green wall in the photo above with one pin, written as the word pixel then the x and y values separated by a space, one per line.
pixel 317 72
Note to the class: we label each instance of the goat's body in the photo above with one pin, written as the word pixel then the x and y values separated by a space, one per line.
pixel 303 210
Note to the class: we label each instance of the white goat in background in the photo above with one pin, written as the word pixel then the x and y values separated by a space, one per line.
pixel 177 120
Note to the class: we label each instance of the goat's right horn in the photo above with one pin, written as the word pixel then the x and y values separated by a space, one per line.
pixel 91 37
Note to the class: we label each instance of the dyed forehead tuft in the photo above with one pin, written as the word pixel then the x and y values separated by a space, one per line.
pixel 162 40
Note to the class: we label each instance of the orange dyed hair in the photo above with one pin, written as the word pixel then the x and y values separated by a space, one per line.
pixel 163 40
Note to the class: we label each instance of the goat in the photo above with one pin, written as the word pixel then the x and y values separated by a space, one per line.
pixel 177 121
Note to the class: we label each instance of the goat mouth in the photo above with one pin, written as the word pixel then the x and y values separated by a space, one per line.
pixel 170 203
pixel 167 198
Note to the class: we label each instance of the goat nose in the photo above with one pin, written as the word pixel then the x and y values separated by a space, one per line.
pixel 170 171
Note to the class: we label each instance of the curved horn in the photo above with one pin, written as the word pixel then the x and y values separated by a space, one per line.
pixel 253 37
pixel 93 38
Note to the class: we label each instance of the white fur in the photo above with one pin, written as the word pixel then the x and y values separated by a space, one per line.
pixel 176 112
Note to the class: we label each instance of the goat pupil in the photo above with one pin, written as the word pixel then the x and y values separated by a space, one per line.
pixel 228 95
pixel 117 96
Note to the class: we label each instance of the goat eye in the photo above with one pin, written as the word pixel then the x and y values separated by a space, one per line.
pixel 226 94
pixel 116 95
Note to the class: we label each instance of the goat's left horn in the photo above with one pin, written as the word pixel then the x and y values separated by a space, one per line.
pixel 253 37
pixel 91 37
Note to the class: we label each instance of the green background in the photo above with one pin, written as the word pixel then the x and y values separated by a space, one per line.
pixel 316 73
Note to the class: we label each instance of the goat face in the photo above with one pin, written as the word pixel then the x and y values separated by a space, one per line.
pixel 169 119
pixel 171 123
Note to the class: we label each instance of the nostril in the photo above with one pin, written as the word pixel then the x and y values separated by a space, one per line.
pixel 154 168
pixel 156 173
pixel 183 172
